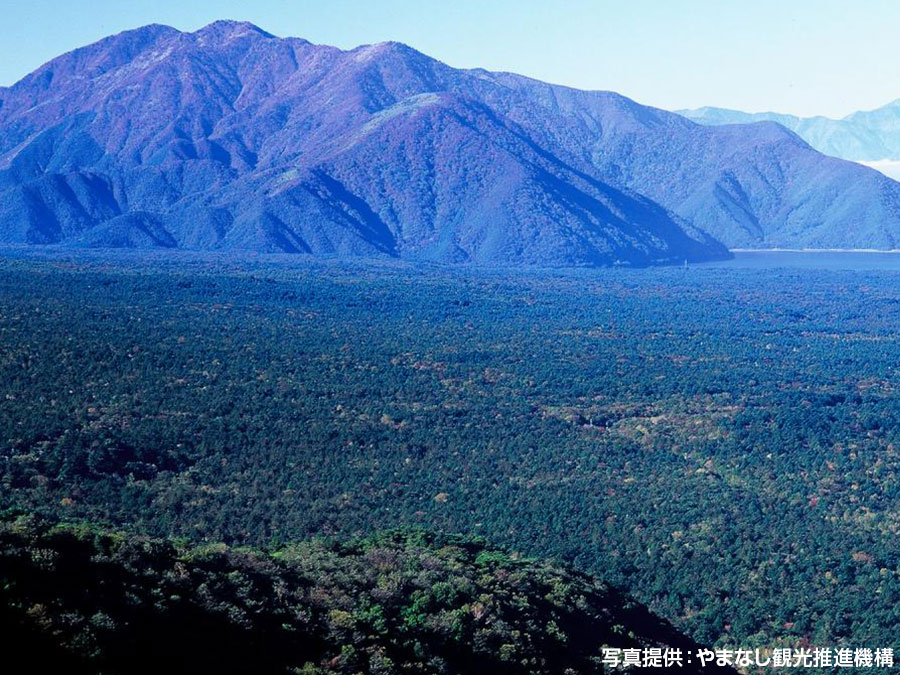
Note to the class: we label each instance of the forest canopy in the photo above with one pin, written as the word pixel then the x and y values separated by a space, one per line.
pixel 721 444
pixel 85 599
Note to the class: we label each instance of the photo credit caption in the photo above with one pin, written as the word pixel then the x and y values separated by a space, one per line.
pixel 819 657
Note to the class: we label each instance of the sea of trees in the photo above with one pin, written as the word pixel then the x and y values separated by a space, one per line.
pixel 722 444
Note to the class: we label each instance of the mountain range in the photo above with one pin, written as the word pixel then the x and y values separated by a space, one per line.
pixel 230 138
pixel 871 136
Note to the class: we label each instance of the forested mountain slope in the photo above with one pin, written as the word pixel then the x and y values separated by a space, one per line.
pixel 230 138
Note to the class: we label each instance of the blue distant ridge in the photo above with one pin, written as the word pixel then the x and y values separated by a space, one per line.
pixel 866 136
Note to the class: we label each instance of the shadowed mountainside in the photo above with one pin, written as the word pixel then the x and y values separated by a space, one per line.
pixel 80 599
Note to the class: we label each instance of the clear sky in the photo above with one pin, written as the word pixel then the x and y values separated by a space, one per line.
pixel 807 57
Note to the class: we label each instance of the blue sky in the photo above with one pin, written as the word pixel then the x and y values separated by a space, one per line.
pixel 805 57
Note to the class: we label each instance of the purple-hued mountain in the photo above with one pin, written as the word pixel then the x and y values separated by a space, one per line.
pixel 230 138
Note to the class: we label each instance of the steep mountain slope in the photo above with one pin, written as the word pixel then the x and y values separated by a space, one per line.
pixel 867 135
pixel 230 138
pixel 747 185
pixel 78 599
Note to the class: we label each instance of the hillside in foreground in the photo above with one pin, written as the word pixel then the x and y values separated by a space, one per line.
pixel 81 599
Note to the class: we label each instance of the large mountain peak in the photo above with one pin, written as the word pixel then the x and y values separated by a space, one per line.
pixel 229 137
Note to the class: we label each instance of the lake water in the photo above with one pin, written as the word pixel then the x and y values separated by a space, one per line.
pixel 833 260
pixel 164 259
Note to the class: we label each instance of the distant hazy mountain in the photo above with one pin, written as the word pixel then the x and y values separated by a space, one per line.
pixel 869 136
pixel 230 138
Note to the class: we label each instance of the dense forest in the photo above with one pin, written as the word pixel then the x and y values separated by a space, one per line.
pixel 83 599
pixel 721 444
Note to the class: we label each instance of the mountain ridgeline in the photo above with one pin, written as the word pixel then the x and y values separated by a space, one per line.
pixel 866 135
pixel 229 138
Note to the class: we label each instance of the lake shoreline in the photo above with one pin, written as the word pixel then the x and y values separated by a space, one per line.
pixel 814 250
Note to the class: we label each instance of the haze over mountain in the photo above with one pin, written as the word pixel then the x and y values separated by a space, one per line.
pixel 230 138
pixel 869 136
